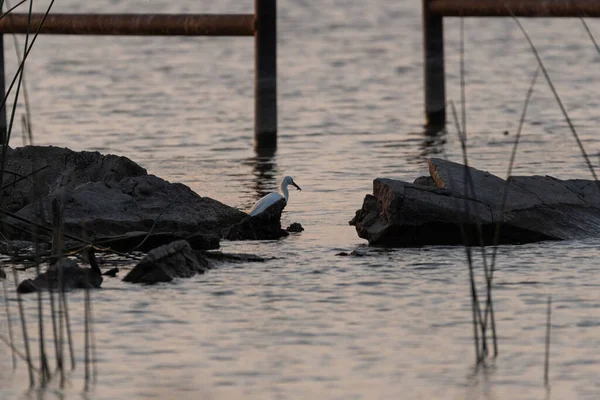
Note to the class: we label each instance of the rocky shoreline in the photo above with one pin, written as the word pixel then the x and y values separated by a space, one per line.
pixel 109 201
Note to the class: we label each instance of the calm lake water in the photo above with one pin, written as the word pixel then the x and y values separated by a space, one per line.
pixel 393 324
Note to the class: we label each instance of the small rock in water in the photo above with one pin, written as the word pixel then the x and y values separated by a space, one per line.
pixel 165 263
pixel 353 253
pixel 73 277
pixel 295 227
pixel 218 256
pixel 111 272
pixel 2 273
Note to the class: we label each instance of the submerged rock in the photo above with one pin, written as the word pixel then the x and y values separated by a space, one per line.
pixel 458 205
pixel 220 257
pixel 67 270
pixel 264 226
pixel 165 263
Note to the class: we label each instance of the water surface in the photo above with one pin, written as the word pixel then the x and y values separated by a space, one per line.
pixel 392 324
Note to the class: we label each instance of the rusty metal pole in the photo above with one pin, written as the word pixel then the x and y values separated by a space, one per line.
pixel 435 84
pixel 265 85
pixel 3 133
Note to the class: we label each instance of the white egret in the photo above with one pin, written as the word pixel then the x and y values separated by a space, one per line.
pixel 273 197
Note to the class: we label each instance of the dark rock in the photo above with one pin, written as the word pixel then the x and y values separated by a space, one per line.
pixel 466 205
pixel 2 273
pixel 165 263
pixel 73 277
pixel 264 226
pixel 425 181
pixel 295 228
pixel 107 196
pixel 62 168
pixel 137 204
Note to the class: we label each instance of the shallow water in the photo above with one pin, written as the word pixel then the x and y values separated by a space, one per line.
pixel 392 324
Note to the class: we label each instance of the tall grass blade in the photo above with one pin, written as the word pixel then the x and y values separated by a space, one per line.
pixel 557 97
pixel 17 75
pixel 9 322
pixel 86 347
pixel 473 288
pixel 547 357
pixel 489 305
pixel 63 296
pixel 24 327
pixel 27 128
pixel 590 34
pixel 10 9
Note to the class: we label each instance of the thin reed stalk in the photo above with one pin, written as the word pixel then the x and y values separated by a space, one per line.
pixel 61 324
pixel 9 323
pixel 57 217
pixel 11 9
pixel 473 288
pixel 22 76
pixel 24 327
pixel 53 312
pixel 45 370
pixel 15 351
pixel 547 357
pixel 558 99
pixel 17 75
pixel 590 34
pixel 489 305
pixel 86 346
pixel 469 185
pixel 65 305
pixel 21 73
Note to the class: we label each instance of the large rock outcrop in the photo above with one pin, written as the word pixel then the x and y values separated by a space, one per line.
pixel 106 196
pixel 457 205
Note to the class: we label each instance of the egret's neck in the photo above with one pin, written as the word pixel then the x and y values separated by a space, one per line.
pixel 284 191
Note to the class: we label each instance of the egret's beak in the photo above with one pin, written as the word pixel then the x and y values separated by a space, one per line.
pixel 297 187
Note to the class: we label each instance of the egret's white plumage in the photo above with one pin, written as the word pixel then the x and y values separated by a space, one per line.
pixel 273 197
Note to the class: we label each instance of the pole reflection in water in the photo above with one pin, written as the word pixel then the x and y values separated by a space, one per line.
pixel 432 144
pixel 264 168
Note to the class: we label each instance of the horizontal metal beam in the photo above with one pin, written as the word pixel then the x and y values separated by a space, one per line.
pixel 520 8
pixel 133 24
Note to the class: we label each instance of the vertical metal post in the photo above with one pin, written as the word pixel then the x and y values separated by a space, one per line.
pixel 265 85
pixel 2 93
pixel 435 84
